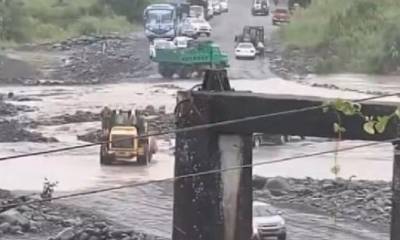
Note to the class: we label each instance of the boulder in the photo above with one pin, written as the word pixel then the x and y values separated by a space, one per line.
pixel 278 186
pixel 259 182
pixel 14 217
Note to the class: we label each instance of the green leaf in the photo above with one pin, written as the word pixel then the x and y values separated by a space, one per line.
pixel 397 112
pixel 338 129
pixel 380 126
pixel 357 107
pixel 369 127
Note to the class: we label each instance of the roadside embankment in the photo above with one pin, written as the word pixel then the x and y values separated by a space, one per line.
pixel 366 201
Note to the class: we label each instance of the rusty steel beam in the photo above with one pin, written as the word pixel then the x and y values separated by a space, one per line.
pixel 235 105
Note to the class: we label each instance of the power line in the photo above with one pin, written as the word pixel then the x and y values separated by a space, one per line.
pixel 190 129
pixel 210 172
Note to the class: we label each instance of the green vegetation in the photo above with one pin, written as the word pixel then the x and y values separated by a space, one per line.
pixel 354 36
pixel 36 20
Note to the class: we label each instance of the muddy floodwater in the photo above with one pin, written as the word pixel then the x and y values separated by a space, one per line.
pixel 80 168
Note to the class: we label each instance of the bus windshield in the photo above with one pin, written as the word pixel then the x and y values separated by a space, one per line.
pixel 159 16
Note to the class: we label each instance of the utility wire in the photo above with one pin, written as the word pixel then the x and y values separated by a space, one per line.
pixel 210 172
pixel 190 129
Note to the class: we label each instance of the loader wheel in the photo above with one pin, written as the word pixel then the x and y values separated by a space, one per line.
pixel 105 159
pixel 146 158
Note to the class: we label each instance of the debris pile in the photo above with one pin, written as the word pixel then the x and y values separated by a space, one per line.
pixel 360 200
pixel 77 117
pixel 7 109
pixel 13 131
pixel 103 59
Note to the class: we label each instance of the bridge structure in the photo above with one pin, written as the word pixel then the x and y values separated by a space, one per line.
pixel 218 206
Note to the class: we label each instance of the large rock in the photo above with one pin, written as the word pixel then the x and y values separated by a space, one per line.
pixel 278 186
pixel 14 217
pixel 259 182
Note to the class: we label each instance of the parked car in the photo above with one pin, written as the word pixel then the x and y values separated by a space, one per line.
pixel 280 15
pixel 260 7
pixel 245 50
pixel 159 43
pixel 201 26
pixel 267 222
pixel 224 5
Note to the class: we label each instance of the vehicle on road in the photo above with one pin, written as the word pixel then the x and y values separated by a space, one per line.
pixel 300 3
pixel 267 222
pixel 245 50
pixel 182 41
pixel 280 15
pixel 160 21
pixel 196 11
pixel 210 9
pixel 260 7
pixel 120 131
pixel 224 5
pixel 207 7
pixel 201 26
pixel 159 43
pixel 196 58
pixel 216 7
pixel 272 139
pixel 255 35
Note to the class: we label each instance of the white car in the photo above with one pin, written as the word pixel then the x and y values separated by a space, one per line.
pixel 182 41
pixel 159 44
pixel 216 7
pixel 196 11
pixel 187 28
pixel 245 50
pixel 224 5
pixel 267 222
pixel 201 26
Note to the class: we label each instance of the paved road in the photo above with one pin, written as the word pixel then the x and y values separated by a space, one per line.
pixel 230 24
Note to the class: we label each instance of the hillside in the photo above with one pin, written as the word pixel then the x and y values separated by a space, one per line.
pixel 37 20
pixel 361 36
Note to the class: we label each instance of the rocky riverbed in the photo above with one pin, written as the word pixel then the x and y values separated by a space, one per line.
pixel 57 222
pixel 368 201
pixel 13 129
pixel 82 60
pixel 103 59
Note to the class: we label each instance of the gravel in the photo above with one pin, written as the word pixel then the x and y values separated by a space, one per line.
pixel 103 59
pixel 368 201
pixel 58 222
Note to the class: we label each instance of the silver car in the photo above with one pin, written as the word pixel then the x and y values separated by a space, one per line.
pixel 267 222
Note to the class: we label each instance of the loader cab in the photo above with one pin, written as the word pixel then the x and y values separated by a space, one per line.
pixel 123 140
